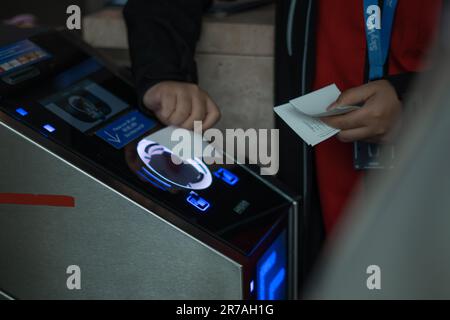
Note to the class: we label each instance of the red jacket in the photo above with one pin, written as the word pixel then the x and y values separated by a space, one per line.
pixel 341 59
pixel 319 42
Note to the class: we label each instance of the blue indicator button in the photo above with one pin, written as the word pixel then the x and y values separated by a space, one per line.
pixel 49 128
pixel 198 202
pixel 226 176
pixel 22 112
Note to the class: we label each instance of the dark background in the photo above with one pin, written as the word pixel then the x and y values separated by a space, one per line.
pixel 49 12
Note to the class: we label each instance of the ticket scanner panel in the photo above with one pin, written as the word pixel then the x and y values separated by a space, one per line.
pixel 158 225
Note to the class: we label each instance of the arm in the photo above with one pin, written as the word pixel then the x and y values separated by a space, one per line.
pixel 163 35
pixel 402 82
pixel 380 119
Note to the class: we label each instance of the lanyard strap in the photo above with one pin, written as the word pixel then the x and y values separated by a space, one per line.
pixel 378 36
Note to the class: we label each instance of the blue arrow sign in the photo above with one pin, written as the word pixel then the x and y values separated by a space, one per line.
pixel 126 129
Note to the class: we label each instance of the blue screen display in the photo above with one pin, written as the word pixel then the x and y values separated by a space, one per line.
pixel 271 271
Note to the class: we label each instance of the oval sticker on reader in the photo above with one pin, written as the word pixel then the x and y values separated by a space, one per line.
pixel 126 129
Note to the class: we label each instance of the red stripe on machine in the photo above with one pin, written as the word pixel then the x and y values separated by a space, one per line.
pixel 37 200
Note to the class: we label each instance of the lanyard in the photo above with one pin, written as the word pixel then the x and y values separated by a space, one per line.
pixel 378 36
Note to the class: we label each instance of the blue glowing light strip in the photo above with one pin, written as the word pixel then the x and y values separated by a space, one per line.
pixel 268 264
pixel 49 128
pixel 151 181
pixel 156 178
pixel 276 283
pixel 22 112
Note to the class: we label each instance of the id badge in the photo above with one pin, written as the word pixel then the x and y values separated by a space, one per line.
pixel 369 156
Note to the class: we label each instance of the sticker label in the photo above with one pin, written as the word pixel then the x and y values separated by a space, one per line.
pixel 84 105
pixel 20 54
pixel 126 129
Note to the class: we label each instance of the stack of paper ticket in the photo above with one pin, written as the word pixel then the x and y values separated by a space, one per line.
pixel 303 114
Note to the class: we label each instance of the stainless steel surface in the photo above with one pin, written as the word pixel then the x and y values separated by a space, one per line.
pixel 293 239
pixel 123 250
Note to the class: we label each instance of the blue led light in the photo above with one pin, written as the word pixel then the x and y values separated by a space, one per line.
pixel 252 286
pixel 271 271
pixel 22 112
pixel 266 266
pixel 151 181
pixel 198 202
pixel 156 178
pixel 49 128
pixel 276 283
pixel 226 176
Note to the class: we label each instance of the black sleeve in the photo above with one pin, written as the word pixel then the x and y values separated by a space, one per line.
pixel 402 82
pixel 162 35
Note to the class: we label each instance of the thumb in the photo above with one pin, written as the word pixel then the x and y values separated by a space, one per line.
pixel 152 99
pixel 354 96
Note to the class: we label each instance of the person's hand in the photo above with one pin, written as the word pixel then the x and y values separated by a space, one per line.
pixel 378 119
pixel 180 104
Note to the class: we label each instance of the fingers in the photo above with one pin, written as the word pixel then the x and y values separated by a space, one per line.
pixel 181 104
pixel 212 114
pixel 352 135
pixel 352 120
pixel 355 119
pixel 182 110
pixel 168 107
pixel 198 112
pixel 152 98
pixel 355 96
